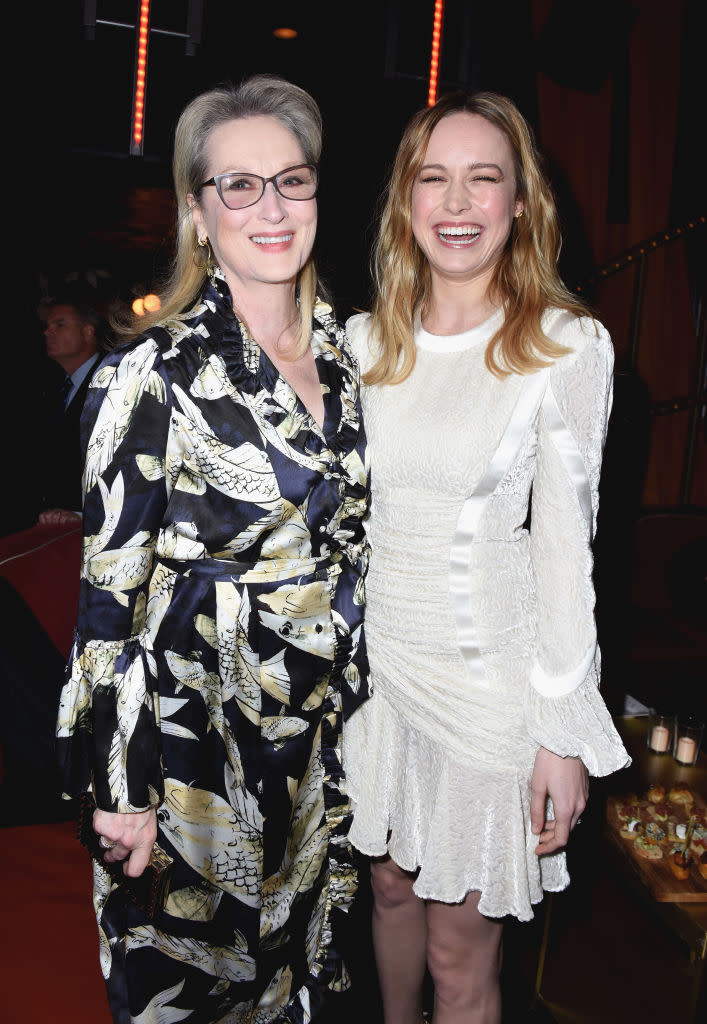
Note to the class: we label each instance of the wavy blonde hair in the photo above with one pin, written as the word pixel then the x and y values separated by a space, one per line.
pixel 526 280
pixel 258 96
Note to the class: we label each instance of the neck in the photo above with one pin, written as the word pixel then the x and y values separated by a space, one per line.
pixel 457 306
pixel 70 366
pixel 271 313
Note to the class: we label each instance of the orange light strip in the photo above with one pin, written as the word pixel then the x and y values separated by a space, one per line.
pixel 138 123
pixel 436 47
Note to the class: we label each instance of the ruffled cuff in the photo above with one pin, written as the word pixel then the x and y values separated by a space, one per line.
pixel 108 731
pixel 576 724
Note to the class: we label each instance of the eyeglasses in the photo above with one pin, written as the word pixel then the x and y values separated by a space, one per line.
pixel 236 189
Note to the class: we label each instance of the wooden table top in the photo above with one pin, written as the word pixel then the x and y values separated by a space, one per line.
pixel 688 917
pixel 648 767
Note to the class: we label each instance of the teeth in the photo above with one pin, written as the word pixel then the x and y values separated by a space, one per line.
pixel 459 231
pixel 271 239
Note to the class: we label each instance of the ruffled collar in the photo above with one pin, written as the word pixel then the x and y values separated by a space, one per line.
pixel 252 372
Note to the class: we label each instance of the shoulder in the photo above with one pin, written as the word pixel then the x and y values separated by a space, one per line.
pixel 586 338
pixel 358 332
pixel 129 352
pixel 137 365
pixel 160 344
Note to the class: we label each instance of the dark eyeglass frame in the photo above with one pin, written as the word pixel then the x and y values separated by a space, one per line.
pixel 218 178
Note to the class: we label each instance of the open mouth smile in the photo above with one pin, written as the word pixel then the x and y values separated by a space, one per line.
pixel 458 236
pixel 272 239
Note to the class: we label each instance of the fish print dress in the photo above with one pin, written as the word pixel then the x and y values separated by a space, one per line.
pixel 218 649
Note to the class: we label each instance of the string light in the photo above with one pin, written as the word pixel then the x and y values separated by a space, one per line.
pixel 436 47
pixel 140 79
pixel 648 245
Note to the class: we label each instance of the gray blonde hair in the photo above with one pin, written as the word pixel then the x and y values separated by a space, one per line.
pixel 257 96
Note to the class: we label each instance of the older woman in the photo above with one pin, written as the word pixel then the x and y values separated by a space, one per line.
pixel 487 382
pixel 219 641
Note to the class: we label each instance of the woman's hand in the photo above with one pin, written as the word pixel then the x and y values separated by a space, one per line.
pixel 565 781
pixel 132 837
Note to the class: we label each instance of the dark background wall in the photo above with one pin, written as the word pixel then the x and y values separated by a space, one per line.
pixel 614 90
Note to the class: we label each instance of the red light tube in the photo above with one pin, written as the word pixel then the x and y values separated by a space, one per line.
pixel 140 84
pixel 436 47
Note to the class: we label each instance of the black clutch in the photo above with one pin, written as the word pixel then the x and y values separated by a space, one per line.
pixel 150 890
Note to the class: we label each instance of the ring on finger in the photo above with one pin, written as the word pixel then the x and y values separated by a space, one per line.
pixel 106 844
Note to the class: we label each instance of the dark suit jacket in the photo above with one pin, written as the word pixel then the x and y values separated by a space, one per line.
pixel 61 485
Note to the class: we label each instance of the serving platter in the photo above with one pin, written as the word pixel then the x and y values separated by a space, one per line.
pixel 657 874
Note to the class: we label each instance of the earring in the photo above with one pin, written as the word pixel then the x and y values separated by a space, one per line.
pixel 203 260
pixel 519 214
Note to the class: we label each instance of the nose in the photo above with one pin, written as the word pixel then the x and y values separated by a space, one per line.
pixel 457 197
pixel 272 203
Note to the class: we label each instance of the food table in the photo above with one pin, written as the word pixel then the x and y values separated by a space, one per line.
pixel 653 893
pixel 680 905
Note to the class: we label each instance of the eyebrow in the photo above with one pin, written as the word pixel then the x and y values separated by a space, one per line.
pixel 470 167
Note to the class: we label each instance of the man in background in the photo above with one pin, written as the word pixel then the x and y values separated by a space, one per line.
pixel 73 341
pixel 31 666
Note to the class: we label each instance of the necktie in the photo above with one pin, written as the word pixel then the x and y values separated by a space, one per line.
pixel 64 392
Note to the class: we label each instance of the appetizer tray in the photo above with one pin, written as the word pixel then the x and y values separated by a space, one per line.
pixel 649 827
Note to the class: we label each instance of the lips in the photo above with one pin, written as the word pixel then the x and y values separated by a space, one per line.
pixel 458 235
pixel 282 239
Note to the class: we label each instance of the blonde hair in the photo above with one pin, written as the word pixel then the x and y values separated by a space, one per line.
pixel 526 280
pixel 258 96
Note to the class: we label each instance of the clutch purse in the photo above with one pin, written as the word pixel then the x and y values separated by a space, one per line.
pixel 150 890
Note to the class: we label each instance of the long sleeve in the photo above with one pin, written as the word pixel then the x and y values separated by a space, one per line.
pixel 108 725
pixel 563 707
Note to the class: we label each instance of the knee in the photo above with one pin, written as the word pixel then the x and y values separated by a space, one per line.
pixel 445 962
pixel 391 886
pixel 450 973
pixel 464 973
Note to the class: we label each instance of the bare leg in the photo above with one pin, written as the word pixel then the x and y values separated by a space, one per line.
pixel 399 941
pixel 464 958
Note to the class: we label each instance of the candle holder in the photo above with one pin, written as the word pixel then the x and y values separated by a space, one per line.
pixel 687 738
pixel 660 732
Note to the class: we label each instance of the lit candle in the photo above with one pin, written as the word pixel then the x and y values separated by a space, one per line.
pixel 686 750
pixel 660 738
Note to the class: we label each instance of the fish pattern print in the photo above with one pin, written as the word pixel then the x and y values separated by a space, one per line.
pixel 219 649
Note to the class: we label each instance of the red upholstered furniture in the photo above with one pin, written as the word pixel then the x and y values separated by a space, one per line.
pixel 49 940
pixel 43 565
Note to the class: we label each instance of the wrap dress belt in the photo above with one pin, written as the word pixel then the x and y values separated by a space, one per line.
pixel 266 571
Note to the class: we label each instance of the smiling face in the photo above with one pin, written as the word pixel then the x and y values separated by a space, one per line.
pixel 269 242
pixel 464 199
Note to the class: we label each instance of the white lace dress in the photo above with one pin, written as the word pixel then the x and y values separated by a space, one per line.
pixel 480 628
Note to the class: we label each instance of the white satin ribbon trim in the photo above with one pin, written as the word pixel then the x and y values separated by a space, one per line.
pixel 558 686
pixel 569 453
pixel 526 409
